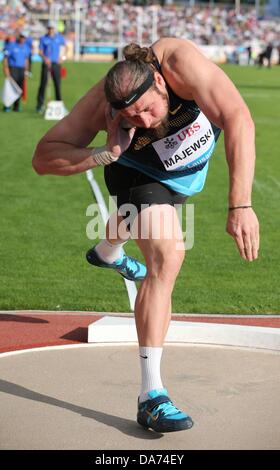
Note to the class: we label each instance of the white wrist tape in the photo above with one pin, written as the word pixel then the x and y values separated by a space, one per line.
pixel 102 156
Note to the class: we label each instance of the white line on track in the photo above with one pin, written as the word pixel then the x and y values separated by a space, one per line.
pixel 125 344
pixel 127 314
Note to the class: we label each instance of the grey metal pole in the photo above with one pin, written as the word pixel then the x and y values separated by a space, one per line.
pixel 237 7
pixel 139 25
pixel 120 41
pixel 155 24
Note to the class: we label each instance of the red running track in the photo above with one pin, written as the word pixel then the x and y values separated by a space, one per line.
pixel 21 330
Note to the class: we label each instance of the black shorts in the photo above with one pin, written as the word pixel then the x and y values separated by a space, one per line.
pixel 133 187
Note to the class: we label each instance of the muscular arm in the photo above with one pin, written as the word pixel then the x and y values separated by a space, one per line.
pixel 63 150
pixel 192 76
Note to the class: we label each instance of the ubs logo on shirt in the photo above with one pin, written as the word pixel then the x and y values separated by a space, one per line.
pixel 170 143
pixel 189 131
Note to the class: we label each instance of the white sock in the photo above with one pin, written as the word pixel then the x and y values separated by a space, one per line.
pixel 109 252
pixel 150 369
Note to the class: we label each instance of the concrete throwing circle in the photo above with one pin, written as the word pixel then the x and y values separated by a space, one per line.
pixel 85 398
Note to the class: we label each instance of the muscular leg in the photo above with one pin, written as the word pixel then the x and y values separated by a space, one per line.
pixel 163 249
pixel 164 257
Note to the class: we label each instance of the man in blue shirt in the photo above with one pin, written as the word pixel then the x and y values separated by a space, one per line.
pixel 49 49
pixel 16 63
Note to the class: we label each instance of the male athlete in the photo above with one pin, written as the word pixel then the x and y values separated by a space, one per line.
pixel 162 108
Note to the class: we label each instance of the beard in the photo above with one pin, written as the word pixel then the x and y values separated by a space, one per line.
pixel 162 129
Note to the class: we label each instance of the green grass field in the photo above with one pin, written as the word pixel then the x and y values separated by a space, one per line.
pixel 43 219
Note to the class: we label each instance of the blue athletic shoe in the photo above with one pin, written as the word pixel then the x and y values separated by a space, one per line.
pixel 128 267
pixel 159 413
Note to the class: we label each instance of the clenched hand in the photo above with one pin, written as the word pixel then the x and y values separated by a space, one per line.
pixel 118 139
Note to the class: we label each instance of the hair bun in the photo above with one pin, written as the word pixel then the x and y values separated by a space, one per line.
pixel 134 52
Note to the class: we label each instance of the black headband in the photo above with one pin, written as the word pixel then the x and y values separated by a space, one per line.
pixel 135 95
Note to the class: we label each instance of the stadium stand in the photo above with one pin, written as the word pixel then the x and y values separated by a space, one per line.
pixel 216 26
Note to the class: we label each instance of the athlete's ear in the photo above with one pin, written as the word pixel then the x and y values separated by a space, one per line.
pixel 159 82
pixel 158 78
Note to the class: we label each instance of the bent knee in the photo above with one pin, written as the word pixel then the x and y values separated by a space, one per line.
pixel 165 265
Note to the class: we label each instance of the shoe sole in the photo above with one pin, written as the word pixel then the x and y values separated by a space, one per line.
pixel 129 278
pixel 189 425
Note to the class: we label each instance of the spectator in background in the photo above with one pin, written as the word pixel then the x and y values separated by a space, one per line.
pixel 249 52
pixel 15 63
pixel 82 51
pixel 50 50
pixel 266 54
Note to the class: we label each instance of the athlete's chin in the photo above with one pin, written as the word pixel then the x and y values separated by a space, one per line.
pixel 156 124
pixel 161 122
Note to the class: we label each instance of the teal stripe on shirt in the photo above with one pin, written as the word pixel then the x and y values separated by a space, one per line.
pixel 184 184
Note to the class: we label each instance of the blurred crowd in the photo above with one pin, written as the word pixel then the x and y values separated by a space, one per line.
pixel 215 25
